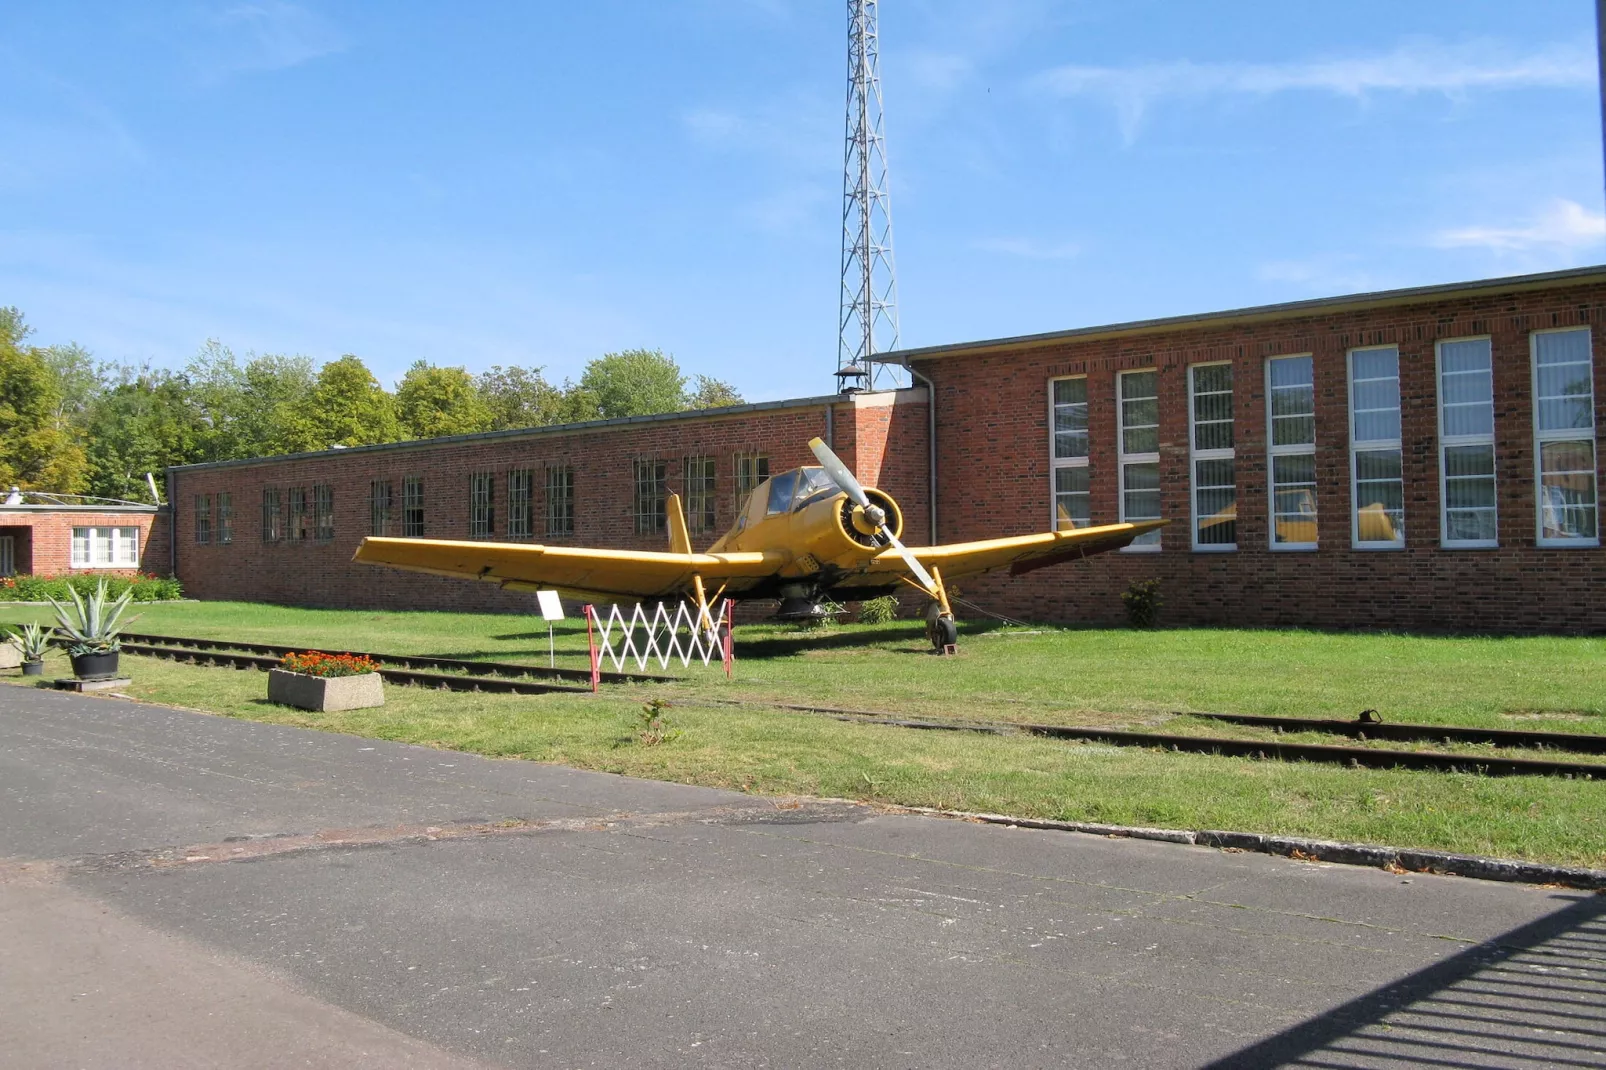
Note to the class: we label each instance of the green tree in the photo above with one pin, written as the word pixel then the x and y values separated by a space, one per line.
pixel 635 382
pixel 36 450
pixel 431 402
pixel 249 408
pixel 145 422
pixel 709 393
pixel 519 397
pixel 346 407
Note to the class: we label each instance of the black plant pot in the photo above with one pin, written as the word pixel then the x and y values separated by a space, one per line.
pixel 95 666
pixel 33 668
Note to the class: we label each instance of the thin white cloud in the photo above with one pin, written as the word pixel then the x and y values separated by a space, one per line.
pixel 1323 274
pixel 1029 249
pixel 1416 66
pixel 936 72
pixel 1560 225
pixel 266 35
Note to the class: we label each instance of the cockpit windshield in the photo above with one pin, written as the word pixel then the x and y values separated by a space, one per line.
pixel 791 491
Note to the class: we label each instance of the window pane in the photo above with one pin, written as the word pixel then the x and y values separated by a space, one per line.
pixel 1567 490
pixel 1140 413
pixel 1140 499
pixel 1071 497
pixel 1212 406
pixel 1562 347
pixel 1375 363
pixel 1070 418
pixel 1379 497
pixel 1468 356
pixel 1215 503
pixel 1294 499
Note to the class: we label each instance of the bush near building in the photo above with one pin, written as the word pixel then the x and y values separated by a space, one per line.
pixel 147 588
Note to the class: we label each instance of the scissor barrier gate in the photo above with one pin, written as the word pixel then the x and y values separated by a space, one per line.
pixel 660 635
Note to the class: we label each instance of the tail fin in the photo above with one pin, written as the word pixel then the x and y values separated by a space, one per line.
pixel 679 537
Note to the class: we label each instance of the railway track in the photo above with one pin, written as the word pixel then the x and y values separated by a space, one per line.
pixel 504 669
pixel 1355 757
pixel 1576 742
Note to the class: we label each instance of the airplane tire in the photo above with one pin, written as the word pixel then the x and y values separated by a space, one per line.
pixel 943 632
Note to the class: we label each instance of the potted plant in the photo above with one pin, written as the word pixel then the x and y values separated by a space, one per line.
pixel 319 681
pixel 32 642
pixel 91 626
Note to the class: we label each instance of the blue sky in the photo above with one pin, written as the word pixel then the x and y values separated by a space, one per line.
pixel 538 183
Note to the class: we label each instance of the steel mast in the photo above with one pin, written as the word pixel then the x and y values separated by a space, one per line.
pixel 869 310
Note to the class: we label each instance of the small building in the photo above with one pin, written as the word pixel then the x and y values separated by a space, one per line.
pixel 1423 458
pixel 47 534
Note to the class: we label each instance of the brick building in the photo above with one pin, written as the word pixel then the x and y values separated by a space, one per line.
pixel 54 534
pixel 1377 460
pixel 283 529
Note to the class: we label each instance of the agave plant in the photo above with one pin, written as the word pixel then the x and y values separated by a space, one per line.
pixel 32 640
pixel 93 623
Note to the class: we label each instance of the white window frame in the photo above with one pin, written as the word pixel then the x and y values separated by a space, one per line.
pixel 1295 449
pixel 1446 442
pixel 1195 455
pixel 113 538
pixel 1123 458
pixel 1056 463
pixel 1580 434
pixel 1372 445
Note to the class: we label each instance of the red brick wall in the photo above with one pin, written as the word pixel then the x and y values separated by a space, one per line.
pixel 322 573
pixel 44 539
pixel 993 469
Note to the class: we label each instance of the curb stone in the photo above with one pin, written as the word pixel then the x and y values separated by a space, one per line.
pixel 1413 860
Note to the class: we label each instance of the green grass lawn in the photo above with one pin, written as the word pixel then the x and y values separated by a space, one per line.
pixel 1070 676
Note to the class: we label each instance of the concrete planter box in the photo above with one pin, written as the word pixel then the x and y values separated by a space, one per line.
pixel 10 655
pixel 325 693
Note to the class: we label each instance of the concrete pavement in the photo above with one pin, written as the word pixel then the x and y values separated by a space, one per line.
pixel 184 890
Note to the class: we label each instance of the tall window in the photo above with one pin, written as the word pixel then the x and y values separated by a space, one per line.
pixel 650 494
pixel 203 518
pixel 559 501
pixel 1215 481
pixel 1564 433
pixel 323 512
pixel 105 547
pixel 751 470
pixel 413 507
pixel 519 484
pixel 700 493
pixel 225 517
pixel 272 526
pixel 1377 498
pixel 299 526
pixel 1068 455
pixel 1291 390
pixel 481 505
pixel 1466 444
pixel 1140 453
pixel 380 507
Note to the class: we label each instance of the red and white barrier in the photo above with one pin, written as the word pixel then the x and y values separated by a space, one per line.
pixel 659 635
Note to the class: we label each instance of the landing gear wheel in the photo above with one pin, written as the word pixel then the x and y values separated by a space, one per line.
pixel 943 633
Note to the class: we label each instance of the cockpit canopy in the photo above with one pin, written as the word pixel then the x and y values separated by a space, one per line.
pixel 791 491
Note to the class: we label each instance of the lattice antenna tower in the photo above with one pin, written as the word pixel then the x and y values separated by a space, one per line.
pixel 869 319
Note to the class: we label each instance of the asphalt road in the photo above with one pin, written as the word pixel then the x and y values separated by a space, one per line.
pixel 179 890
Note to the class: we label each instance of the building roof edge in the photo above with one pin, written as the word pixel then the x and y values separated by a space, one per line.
pixel 1284 310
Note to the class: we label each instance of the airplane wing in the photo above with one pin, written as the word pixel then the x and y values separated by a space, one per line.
pixel 577 572
pixel 1019 553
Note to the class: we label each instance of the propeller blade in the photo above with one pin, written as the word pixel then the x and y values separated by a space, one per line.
pixel 839 472
pixel 912 561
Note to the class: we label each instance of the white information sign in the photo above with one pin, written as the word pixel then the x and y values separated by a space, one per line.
pixel 551 606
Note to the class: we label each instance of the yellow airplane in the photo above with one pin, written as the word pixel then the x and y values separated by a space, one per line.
pixel 804 537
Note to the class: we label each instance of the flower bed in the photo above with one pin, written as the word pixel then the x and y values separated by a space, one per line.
pixel 328 666
pixel 318 681
pixel 146 588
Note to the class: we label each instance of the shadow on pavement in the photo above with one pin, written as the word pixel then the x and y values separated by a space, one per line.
pixel 1535 996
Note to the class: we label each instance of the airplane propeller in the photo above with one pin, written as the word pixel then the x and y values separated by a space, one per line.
pixel 845 480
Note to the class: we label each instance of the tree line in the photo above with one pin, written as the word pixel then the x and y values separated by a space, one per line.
pixel 72 424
